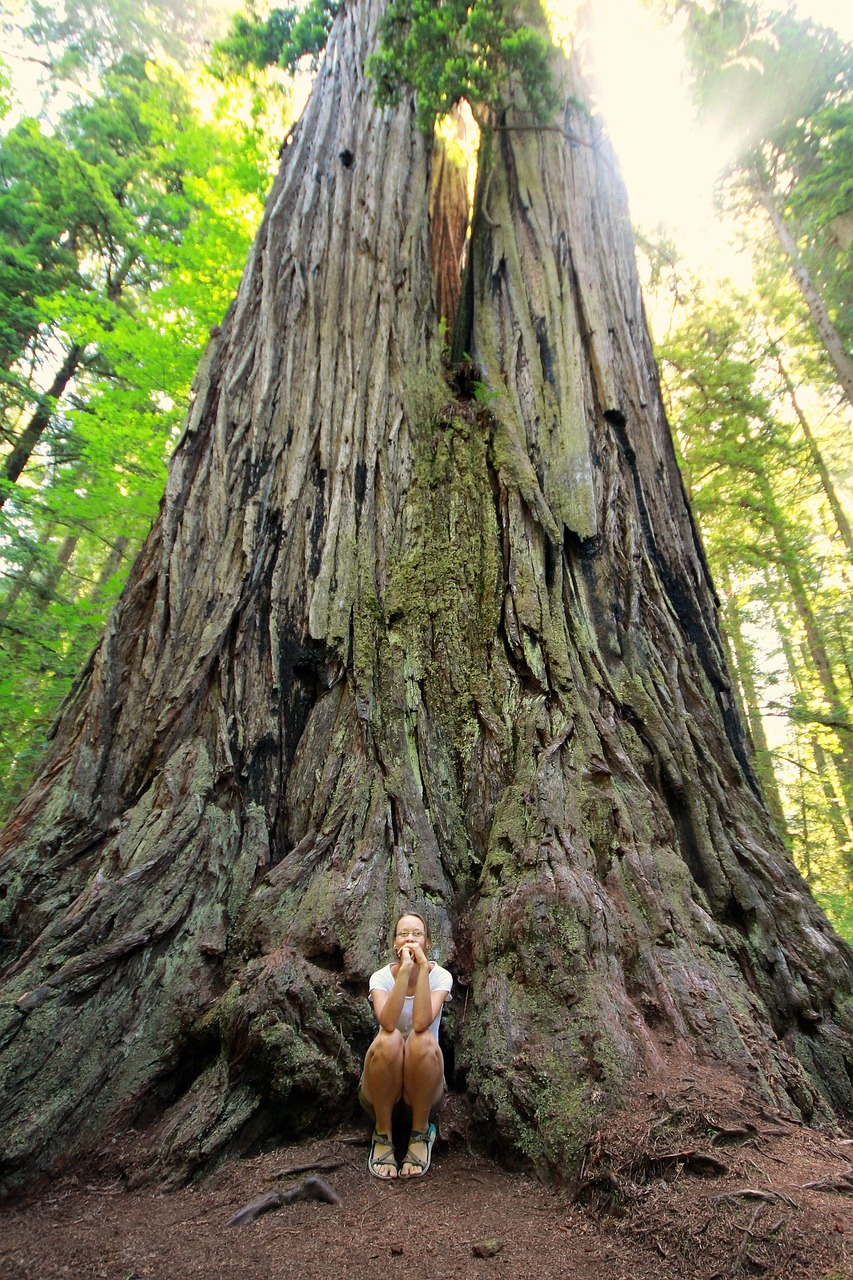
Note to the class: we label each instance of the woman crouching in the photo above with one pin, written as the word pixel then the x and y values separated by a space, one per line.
pixel 405 1061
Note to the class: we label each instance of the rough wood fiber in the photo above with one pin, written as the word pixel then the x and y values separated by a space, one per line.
pixel 391 640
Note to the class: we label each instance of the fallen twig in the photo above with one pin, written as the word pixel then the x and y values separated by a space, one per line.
pixel 327 1166
pixel 701 1162
pixel 254 1209
pixel 310 1189
pixel 753 1193
pixel 763 1172
pixel 844 1184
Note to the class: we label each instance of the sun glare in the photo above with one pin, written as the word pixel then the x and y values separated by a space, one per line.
pixel 670 164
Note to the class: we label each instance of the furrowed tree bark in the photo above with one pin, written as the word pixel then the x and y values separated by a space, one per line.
pixel 404 635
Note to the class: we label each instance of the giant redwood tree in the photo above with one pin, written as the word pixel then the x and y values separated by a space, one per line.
pixel 407 630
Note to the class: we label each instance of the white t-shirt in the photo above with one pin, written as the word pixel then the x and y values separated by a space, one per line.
pixel 439 980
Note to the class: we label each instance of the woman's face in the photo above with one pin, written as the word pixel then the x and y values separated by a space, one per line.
pixel 410 930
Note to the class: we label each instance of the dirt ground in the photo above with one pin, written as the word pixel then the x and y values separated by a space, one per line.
pixel 696 1182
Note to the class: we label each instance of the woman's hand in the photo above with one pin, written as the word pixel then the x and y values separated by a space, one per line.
pixel 412 954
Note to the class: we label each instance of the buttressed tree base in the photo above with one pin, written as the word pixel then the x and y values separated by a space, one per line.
pixel 406 631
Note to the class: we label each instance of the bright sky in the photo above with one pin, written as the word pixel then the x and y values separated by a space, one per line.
pixel 668 163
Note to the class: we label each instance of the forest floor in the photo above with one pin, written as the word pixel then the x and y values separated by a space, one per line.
pixel 698 1181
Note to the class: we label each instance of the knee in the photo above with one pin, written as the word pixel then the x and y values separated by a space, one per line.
pixel 388 1046
pixel 422 1046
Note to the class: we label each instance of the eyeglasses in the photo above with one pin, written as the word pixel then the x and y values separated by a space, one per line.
pixel 411 933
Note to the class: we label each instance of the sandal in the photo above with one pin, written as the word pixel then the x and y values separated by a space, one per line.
pixel 388 1161
pixel 427 1137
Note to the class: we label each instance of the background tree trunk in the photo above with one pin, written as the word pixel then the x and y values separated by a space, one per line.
pixel 401 636
pixel 830 338
pixel 749 705
pixel 25 444
pixel 826 480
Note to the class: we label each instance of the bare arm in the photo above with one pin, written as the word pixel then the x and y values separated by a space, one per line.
pixel 426 1003
pixel 388 1005
pixel 422 1009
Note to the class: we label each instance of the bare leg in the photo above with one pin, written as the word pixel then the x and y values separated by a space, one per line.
pixel 382 1087
pixel 423 1081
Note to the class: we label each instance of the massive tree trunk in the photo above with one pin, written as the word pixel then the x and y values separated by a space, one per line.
pixel 406 633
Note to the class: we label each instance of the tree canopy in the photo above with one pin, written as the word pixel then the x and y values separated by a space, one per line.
pixel 124 226
pixel 753 381
pixel 446 51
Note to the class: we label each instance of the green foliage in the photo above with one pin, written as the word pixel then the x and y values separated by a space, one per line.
pixel 451 50
pixel 5 90
pixel 777 555
pixel 34 261
pixel 760 75
pixel 818 199
pixel 77 38
pixel 447 50
pixel 746 377
pixel 783 88
pixel 282 39
pixel 123 232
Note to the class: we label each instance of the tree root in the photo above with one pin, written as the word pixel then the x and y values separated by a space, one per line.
pixel 843 1183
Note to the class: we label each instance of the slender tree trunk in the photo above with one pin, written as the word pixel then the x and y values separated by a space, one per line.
pixel 744 668
pixel 117 552
pixel 837 713
pixel 32 433
pixel 45 588
pixel 827 483
pixel 390 642
pixel 829 336
pixel 22 579
pixel 838 814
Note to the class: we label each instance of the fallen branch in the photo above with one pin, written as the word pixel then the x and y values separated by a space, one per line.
pixel 844 1184
pixel 310 1189
pixel 255 1208
pixel 753 1193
